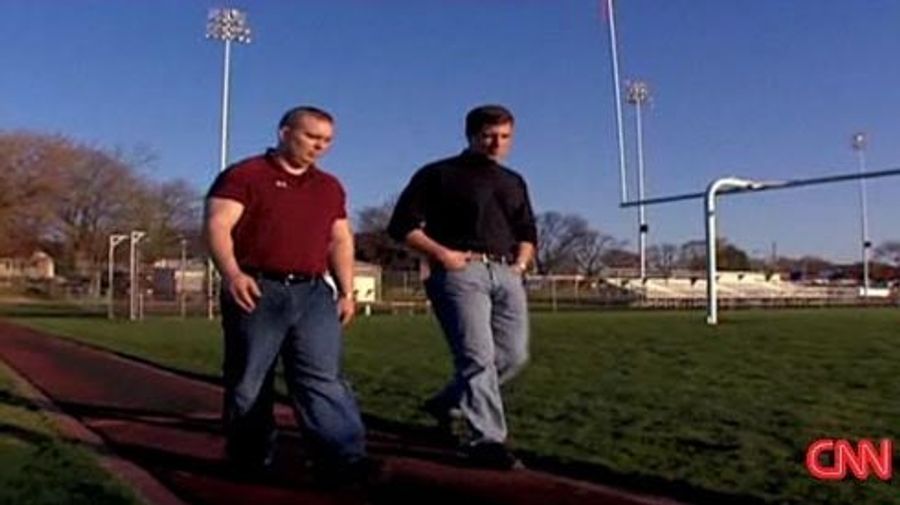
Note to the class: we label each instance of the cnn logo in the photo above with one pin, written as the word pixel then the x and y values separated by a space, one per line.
pixel 862 460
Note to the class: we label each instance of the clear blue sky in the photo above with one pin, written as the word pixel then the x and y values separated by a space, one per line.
pixel 769 89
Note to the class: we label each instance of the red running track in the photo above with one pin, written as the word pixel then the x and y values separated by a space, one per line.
pixel 164 430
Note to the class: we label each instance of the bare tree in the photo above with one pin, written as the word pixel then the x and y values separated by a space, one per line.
pixel 66 198
pixel 29 184
pixel 732 257
pixel 888 252
pixel 588 251
pixel 374 245
pixel 619 257
pixel 168 212
pixel 375 218
pixel 558 235
pixel 692 255
pixel 100 192
pixel 662 258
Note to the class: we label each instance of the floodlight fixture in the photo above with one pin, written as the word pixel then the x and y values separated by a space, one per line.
pixel 228 25
pixel 638 92
pixel 858 141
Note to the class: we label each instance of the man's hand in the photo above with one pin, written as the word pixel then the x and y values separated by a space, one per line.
pixel 453 260
pixel 244 290
pixel 346 309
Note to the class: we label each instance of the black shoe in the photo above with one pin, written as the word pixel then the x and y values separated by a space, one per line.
pixel 251 470
pixel 450 421
pixel 436 409
pixel 242 456
pixel 493 455
pixel 252 464
pixel 359 474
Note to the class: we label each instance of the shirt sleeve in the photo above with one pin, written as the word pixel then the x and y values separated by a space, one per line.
pixel 340 210
pixel 524 228
pixel 410 211
pixel 233 185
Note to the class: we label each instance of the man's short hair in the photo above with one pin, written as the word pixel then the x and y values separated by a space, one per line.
pixel 486 115
pixel 291 117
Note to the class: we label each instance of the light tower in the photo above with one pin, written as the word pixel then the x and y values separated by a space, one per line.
pixel 638 95
pixel 859 141
pixel 227 25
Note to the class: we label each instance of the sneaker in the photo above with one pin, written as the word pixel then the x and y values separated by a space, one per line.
pixel 450 421
pixel 492 455
pixel 250 464
pixel 357 474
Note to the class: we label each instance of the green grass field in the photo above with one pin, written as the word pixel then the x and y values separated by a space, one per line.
pixel 649 398
pixel 38 468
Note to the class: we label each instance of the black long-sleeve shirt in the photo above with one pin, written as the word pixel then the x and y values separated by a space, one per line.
pixel 468 203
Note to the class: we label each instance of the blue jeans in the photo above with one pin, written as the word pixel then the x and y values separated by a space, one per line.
pixel 299 322
pixel 484 314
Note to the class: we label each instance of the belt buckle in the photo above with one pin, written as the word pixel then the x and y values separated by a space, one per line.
pixel 288 278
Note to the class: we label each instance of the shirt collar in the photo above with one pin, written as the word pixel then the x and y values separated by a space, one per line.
pixel 272 162
pixel 476 159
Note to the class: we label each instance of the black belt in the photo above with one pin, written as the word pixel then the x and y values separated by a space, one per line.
pixel 282 277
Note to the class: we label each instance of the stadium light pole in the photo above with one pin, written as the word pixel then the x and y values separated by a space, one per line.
pixel 227 25
pixel 114 240
pixel 136 237
pixel 859 141
pixel 638 95
pixel 609 8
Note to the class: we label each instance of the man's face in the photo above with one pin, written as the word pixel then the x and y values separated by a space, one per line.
pixel 306 140
pixel 494 141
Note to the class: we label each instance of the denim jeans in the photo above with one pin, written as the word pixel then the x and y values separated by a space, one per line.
pixel 299 322
pixel 484 314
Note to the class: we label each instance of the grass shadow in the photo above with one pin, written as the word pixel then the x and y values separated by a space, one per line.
pixel 40 310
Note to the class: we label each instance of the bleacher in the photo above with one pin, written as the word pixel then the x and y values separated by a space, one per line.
pixel 734 288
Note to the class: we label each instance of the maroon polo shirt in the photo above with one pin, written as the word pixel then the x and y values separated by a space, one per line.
pixel 287 219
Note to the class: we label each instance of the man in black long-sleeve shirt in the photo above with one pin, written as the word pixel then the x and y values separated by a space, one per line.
pixel 473 219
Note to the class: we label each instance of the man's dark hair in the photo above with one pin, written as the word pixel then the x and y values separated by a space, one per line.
pixel 291 117
pixel 486 115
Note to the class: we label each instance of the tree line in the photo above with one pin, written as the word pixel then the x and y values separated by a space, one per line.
pixel 66 198
pixel 568 244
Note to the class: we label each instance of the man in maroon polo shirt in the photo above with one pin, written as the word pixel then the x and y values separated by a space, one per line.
pixel 275 224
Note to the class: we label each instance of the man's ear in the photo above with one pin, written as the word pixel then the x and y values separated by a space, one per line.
pixel 282 133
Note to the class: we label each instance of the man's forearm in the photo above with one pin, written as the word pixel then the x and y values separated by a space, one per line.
pixel 340 260
pixel 525 254
pixel 418 240
pixel 221 249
